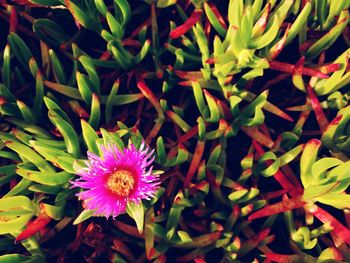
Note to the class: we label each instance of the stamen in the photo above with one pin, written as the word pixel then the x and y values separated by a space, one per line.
pixel 121 182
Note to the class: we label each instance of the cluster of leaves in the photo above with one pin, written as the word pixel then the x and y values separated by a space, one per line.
pixel 197 80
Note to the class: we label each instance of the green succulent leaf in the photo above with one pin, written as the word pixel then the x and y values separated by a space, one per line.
pixel 137 212
pixel 14 222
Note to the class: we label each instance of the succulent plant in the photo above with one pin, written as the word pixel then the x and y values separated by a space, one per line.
pixel 240 106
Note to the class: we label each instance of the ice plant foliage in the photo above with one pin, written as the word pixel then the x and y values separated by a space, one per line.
pixel 116 178
pixel 246 103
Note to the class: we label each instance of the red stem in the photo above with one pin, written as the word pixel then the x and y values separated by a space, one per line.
pixel 339 230
pixel 13 19
pixel 315 103
pixel 39 223
pixel 289 68
pixel 279 207
pixel 189 23
pixel 218 15
pixel 196 159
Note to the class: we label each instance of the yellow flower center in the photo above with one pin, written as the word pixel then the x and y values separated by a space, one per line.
pixel 121 182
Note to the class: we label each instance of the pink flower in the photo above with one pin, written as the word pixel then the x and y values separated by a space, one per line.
pixel 119 177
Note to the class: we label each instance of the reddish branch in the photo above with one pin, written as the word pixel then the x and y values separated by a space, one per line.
pixel 35 226
pixel 189 23
pixel 290 68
